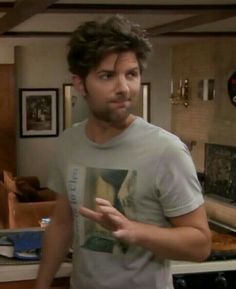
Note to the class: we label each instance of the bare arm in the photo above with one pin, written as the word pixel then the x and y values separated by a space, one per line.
pixel 58 238
pixel 188 239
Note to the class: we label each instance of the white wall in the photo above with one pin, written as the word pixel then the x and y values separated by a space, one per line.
pixel 43 65
pixel 159 74
pixel 7 54
pixel 40 65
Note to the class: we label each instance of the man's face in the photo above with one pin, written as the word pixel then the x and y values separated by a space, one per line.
pixel 112 88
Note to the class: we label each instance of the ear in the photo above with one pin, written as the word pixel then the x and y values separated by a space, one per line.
pixel 78 84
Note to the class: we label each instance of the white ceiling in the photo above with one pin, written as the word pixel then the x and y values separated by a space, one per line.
pixel 67 22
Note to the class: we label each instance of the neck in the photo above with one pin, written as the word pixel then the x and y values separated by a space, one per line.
pixel 100 131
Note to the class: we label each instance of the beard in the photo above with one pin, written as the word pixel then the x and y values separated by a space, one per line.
pixel 112 115
pixel 109 113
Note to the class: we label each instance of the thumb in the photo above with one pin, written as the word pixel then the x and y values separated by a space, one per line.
pixel 124 235
pixel 119 234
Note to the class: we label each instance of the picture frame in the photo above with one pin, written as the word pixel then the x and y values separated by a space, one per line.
pixel 39 115
pixel 75 108
pixel 143 105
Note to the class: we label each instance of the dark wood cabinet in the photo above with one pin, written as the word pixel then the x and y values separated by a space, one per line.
pixel 8 118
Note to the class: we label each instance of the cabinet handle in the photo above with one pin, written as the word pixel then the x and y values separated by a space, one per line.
pixel 180 284
pixel 221 282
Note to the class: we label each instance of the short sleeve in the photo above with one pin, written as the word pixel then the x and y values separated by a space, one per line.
pixel 177 183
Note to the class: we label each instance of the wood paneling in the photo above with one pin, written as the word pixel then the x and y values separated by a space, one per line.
pixel 7 118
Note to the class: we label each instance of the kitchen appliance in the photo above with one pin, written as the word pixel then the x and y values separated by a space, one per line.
pixel 219 270
pixel 219 183
pixel 208 280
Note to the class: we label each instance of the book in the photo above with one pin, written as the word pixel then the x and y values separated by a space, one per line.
pixel 6 247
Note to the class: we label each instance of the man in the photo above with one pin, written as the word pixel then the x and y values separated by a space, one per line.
pixel 128 190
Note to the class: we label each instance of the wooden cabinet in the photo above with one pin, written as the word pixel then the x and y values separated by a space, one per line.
pixel 7 118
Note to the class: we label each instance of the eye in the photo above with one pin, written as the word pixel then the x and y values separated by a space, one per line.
pixel 106 75
pixel 133 74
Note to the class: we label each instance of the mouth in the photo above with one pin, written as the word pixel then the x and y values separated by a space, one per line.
pixel 121 102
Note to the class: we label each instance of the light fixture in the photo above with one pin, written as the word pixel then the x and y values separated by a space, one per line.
pixel 181 96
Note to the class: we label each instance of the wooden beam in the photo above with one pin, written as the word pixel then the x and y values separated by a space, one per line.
pixel 6 6
pixel 55 34
pixel 23 9
pixel 189 22
pixel 204 34
pixel 36 34
pixel 127 8
pixel 136 8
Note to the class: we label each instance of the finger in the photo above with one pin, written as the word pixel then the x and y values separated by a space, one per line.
pixel 109 210
pixel 90 214
pixel 119 234
pixel 124 235
pixel 100 201
pixel 116 220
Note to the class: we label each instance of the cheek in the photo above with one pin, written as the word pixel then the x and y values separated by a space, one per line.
pixel 95 98
pixel 99 88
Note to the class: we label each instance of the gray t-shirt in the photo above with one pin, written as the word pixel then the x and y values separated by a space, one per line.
pixel 146 173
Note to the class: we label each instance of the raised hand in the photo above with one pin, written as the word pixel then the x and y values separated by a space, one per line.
pixel 111 219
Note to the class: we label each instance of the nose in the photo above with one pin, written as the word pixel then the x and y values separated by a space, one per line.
pixel 122 86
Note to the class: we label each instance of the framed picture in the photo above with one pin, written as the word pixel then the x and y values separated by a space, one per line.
pixel 74 106
pixel 39 112
pixel 145 101
pixel 220 172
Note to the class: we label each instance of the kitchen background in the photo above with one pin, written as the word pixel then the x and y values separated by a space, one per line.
pixel 40 62
pixel 43 65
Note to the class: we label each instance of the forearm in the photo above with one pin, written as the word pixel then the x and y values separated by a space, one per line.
pixel 56 244
pixel 182 243
pixel 57 241
pixel 187 239
pixel 58 238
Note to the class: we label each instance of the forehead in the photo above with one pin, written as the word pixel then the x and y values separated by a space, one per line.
pixel 113 61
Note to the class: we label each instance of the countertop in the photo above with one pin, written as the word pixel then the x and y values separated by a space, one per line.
pixel 28 272
pixel 181 267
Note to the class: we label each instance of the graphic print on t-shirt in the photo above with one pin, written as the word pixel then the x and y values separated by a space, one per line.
pixel 115 185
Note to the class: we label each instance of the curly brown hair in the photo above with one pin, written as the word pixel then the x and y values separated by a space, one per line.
pixel 93 40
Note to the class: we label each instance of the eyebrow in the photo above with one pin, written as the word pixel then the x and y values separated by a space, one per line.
pixel 134 68
pixel 113 70
pixel 105 71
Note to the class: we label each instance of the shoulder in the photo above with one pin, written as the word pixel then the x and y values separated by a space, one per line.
pixel 77 128
pixel 71 135
pixel 158 136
